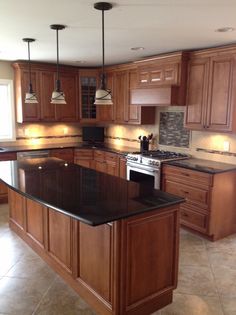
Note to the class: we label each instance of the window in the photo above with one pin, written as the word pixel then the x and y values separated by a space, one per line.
pixel 7 115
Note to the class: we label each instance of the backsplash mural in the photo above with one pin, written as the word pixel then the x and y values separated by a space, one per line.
pixel 172 131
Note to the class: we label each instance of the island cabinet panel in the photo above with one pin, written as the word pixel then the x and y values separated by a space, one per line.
pixel 16 208
pixel 95 258
pixel 35 217
pixel 60 238
pixel 147 241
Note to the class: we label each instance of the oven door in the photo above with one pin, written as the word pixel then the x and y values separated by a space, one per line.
pixel 135 171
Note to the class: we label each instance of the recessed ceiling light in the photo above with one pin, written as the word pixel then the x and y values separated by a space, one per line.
pixel 137 48
pixel 225 29
pixel 80 61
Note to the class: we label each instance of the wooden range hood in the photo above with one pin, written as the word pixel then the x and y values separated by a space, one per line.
pixel 159 96
pixel 161 81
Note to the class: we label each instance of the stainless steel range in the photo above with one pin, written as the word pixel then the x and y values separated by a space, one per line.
pixel 147 165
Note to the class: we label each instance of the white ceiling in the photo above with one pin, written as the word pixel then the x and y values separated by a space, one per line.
pixel 158 25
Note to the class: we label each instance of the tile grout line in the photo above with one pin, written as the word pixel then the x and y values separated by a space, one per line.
pixel 45 293
pixel 217 290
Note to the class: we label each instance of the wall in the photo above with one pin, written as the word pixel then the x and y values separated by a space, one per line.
pixel 128 136
pixel 39 133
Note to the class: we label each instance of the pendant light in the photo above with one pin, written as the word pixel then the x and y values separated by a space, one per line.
pixel 58 97
pixel 103 95
pixel 30 96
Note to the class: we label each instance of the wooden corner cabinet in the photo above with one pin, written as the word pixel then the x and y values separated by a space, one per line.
pixel 210 199
pixel 43 80
pixel 211 92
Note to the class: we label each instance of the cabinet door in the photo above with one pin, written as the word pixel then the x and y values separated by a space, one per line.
pixel 197 93
pixel 47 86
pixel 3 193
pixel 121 96
pixel 17 208
pixel 64 154
pixel 100 166
pixel 220 101
pixel 68 111
pixel 122 171
pixel 60 238
pixel 105 113
pixel 95 250
pixel 134 111
pixel 87 89
pixel 30 112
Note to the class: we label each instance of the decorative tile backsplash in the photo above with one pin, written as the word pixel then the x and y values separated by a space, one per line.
pixel 172 131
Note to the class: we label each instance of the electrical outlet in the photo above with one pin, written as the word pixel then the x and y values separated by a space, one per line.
pixel 226 146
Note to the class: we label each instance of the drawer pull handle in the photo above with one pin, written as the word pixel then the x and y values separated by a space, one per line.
pixel 185 215
pixel 185 174
pixel 185 192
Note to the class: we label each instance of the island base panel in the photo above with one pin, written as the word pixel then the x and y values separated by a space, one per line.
pixel 126 247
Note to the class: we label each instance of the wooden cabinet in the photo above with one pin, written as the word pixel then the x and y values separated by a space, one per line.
pixel 106 162
pixel 137 114
pixel 84 157
pixel 88 80
pixel 43 80
pixel 3 188
pixel 98 261
pixel 122 162
pixel 210 205
pixel 211 94
pixel 66 154
pixel 121 96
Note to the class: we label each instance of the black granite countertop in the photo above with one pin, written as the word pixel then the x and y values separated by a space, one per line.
pixel 92 197
pixel 76 145
pixel 205 166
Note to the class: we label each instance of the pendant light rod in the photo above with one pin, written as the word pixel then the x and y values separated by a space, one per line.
pixel 57 27
pixel 28 41
pixel 103 6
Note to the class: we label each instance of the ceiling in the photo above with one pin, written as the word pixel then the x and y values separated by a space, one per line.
pixel 158 25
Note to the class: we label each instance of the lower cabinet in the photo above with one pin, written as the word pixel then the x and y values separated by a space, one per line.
pixel 64 154
pixel 84 157
pixel 114 267
pixel 210 199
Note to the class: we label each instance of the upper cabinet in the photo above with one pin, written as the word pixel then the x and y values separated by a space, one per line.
pixel 88 82
pixel 211 90
pixel 161 80
pixel 43 80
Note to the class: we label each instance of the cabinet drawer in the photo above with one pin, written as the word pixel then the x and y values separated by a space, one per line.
pixel 7 156
pixel 193 195
pixel 99 155
pixel 83 154
pixel 196 220
pixel 184 174
pixel 112 157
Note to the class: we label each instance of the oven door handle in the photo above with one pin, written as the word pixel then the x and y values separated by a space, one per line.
pixel 133 167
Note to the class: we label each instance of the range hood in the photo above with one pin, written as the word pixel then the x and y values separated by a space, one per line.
pixel 156 96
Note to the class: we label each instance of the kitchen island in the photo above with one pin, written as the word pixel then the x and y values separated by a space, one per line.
pixel 114 241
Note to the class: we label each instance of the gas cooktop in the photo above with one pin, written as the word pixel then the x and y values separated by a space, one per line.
pixel 161 154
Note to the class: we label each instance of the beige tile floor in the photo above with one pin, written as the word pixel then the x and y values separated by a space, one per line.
pixel 206 286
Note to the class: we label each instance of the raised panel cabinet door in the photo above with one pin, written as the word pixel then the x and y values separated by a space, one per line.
pixel 220 101
pixel 122 170
pixel 60 238
pixel 134 111
pixel 121 96
pixel 30 112
pixel 197 93
pixel 48 111
pixel 17 208
pixel 83 162
pixel 170 73
pixel 101 166
pixel 35 221
pixel 68 111
pixel 95 258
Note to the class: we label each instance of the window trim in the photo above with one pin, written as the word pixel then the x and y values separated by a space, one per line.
pixel 10 86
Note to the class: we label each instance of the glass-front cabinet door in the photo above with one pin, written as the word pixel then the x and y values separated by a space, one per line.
pixel 88 83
